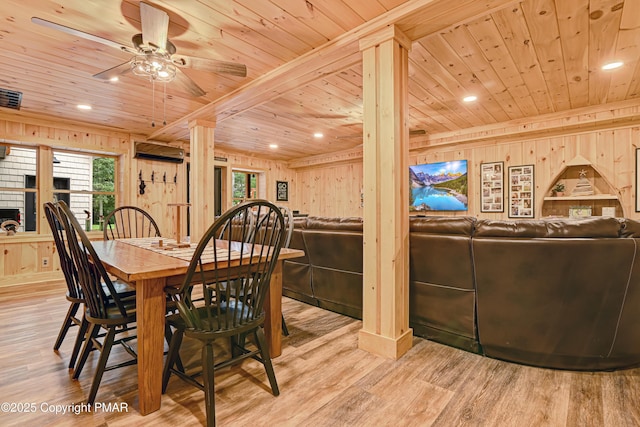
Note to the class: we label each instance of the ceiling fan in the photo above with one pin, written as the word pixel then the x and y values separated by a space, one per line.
pixel 154 56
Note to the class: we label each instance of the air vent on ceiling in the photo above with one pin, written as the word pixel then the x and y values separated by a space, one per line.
pixel 10 99
pixel 165 153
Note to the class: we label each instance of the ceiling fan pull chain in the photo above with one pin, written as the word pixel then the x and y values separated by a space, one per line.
pixel 164 105
pixel 153 103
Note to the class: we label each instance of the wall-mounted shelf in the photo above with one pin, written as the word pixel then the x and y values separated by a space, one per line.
pixel 592 197
pixel 605 195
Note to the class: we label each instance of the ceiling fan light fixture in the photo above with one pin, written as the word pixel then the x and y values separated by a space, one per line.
pixel 154 67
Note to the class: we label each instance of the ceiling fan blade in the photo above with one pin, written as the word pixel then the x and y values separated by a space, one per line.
pixel 155 26
pixel 211 65
pixel 185 81
pixel 81 34
pixel 116 71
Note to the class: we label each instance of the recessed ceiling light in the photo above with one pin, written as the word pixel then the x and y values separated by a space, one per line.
pixel 612 65
pixel 469 98
pixel 273 146
pixel 318 135
pixel 84 107
pixel 114 79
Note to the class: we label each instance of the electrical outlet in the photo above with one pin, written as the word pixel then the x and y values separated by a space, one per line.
pixel 45 261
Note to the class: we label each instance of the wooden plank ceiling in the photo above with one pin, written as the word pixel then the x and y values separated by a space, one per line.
pixel 520 58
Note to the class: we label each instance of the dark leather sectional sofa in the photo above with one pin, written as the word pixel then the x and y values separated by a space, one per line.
pixel 554 293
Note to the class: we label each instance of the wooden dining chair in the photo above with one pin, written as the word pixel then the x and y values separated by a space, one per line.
pixel 129 221
pixel 104 310
pixel 236 310
pixel 239 228
pixel 288 223
pixel 74 291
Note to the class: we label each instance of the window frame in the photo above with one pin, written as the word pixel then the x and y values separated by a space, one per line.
pixel 249 192
pixel 44 182
pixel 23 190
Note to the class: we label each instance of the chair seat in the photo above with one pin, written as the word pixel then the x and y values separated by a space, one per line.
pixel 212 326
pixel 113 316
pixel 123 289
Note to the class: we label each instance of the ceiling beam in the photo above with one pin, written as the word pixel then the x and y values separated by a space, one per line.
pixel 417 19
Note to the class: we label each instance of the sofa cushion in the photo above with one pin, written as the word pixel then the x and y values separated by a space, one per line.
pixel 551 302
pixel 336 224
pixel 553 227
pixel 442 225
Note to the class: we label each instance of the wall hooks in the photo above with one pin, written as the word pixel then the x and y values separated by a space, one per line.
pixel 152 178
pixel 142 184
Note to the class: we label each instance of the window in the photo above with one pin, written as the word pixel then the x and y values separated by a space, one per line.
pixel 16 165
pixel 86 182
pixel 90 189
pixel 245 186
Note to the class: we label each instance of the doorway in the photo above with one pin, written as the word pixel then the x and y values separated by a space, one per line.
pixel 217 194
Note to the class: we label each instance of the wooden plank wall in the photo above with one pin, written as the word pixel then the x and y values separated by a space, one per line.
pixel 273 171
pixel 332 186
pixel 22 254
pixel 611 151
pixel 158 194
pixel 607 137
pixel 334 190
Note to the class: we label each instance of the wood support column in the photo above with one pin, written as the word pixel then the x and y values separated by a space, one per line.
pixel 45 184
pixel 385 315
pixel 201 191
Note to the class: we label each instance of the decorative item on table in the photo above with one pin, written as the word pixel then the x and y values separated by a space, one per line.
pixel 558 189
pixel 179 243
pixel 579 211
pixel 583 187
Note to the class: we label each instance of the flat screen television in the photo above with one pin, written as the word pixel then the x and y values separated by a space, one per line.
pixel 438 186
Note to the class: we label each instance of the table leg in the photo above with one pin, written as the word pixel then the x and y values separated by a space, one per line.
pixel 151 308
pixel 273 312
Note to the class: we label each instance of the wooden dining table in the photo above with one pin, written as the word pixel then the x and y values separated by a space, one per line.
pixel 150 271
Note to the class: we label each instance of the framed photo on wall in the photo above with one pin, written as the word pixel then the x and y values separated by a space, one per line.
pixel 492 187
pixel 521 187
pixel 282 191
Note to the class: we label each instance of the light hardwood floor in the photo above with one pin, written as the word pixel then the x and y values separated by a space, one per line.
pixel 324 381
